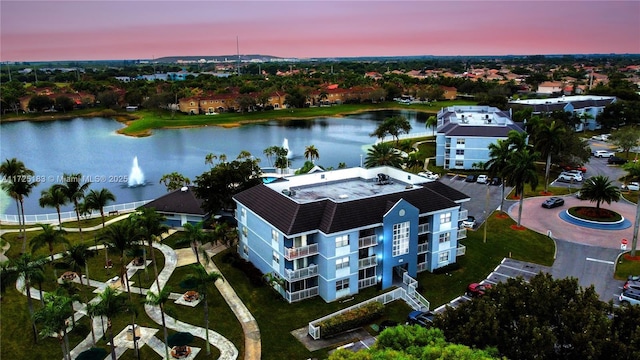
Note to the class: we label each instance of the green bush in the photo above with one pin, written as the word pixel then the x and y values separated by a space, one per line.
pixel 351 319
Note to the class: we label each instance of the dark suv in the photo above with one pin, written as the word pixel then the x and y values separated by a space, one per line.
pixel 616 160
pixel 422 318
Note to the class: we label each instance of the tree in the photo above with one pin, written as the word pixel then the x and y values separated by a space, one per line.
pixel 97 200
pixel 545 318
pixel 626 139
pixel 53 319
pixel 29 267
pixel 394 126
pixel 175 180
pixel 499 154
pixel 108 99
pixel 383 154
pixel 40 103
pixel 150 225
pixel 160 300
pixel 64 103
pixel 200 280
pixel 432 122
pixel 49 236
pixel 598 189
pixel 121 237
pixel 311 153
pixel 194 235
pixel 74 190
pixel 111 304
pixel 520 170
pixel 79 255
pixel 518 140
pixel 53 197
pixel 18 184
pixel 548 142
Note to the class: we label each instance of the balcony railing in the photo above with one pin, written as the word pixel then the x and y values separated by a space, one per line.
pixel 423 248
pixel 422 267
pixel 423 228
pixel 301 295
pixel 363 283
pixel 367 241
pixel 367 262
pixel 461 250
pixel 447 145
pixel 463 214
pixel 462 234
pixel 303 273
pixel 299 252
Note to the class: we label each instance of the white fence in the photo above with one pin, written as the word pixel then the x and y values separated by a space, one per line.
pixel 407 136
pixel 52 218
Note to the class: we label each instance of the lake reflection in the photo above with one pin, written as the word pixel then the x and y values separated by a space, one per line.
pixel 92 147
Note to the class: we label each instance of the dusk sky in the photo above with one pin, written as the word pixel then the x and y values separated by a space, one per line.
pixel 101 30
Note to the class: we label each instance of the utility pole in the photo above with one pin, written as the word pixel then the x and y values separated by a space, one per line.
pixel 486 216
pixel 634 242
pixel 238 51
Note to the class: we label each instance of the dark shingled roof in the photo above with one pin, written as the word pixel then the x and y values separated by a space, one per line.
pixel 179 202
pixel 329 217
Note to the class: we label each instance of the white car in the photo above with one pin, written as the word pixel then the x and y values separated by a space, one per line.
pixel 570 176
pixel 603 154
pixel 429 175
pixel 602 137
pixel 482 179
pixel 632 186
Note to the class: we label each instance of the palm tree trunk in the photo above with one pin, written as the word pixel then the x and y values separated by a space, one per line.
pixel 520 209
pixel 62 346
pixel 206 324
pixel 195 246
pixel 502 198
pixel 19 219
pixel 93 332
pixel 66 343
pixel 86 271
pixel 24 228
pixel 113 347
pixel 155 264
pixel 102 215
pixel 546 173
pixel 27 286
pixel 59 218
pixel 75 203
pixel 166 336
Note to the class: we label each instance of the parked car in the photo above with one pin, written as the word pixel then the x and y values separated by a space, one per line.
pixel 496 181
pixel 469 223
pixel 603 154
pixel 616 160
pixel 422 318
pixel 631 284
pixel 580 168
pixel 482 179
pixel 634 277
pixel 477 290
pixel 471 178
pixel 601 137
pixel 429 175
pixel 632 186
pixel 579 195
pixel 568 176
pixel 629 297
pixel 553 202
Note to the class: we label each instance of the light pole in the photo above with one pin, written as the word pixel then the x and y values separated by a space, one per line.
pixel 486 215
pixel 360 160
pixel 634 241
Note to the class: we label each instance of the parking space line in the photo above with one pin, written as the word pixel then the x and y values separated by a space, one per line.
pixel 601 261
pixel 501 274
pixel 521 270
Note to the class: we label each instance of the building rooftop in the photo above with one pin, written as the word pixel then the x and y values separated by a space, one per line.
pixel 561 100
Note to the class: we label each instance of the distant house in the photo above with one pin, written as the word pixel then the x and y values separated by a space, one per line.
pixel 179 207
pixel 449 92
pixel 550 87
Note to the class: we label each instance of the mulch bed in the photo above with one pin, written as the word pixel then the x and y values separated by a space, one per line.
pixel 631 258
pixel 519 228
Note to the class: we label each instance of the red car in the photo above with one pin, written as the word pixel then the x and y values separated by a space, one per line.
pixel 477 290
pixel 574 167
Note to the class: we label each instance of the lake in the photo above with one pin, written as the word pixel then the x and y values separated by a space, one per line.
pixel 92 147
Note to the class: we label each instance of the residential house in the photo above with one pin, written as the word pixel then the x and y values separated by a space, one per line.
pixel 449 92
pixel 179 207
pixel 331 234
pixel 463 134
pixel 550 87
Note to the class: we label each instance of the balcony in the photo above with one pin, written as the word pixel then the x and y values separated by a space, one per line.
pixel 423 248
pixel 447 145
pixel 461 250
pixel 301 295
pixel 463 214
pixel 300 252
pixel 367 241
pixel 367 262
pixel 422 267
pixel 293 275
pixel 423 228
pixel 363 283
pixel 462 234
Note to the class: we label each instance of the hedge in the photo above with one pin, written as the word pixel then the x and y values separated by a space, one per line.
pixel 351 319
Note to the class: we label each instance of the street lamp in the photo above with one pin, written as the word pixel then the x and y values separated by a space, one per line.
pixel 360 160
pixel 486 215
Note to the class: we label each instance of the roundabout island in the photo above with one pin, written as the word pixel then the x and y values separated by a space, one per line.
pixel 614 222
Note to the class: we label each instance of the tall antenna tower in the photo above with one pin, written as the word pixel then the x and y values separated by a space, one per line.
pixel 238 51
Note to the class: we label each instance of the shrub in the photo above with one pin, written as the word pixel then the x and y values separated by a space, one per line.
pixel 351 319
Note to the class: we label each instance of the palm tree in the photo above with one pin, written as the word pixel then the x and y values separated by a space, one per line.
pixel 150 225
pixel 195 236
pixel 70 290
pixel 111 304
pixel 97 200
pixel 432 122
pixel 200 279
pixel 121 236
pixel 521 170
pixel 55 198
pixel 28 267
pixel 74 190
pixel 413 161
pixel 383 154
pixel 53 318
pixel 548 142
pixel 159 300
pixel 49 236
pixel 92 312
pixel 499 154
pixel 79 255
pixel 598 189
pixel 15 172
pixel 270 152
pixel 311 153
pixel 518 140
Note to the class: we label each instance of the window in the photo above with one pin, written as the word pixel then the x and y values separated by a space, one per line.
pixel 443 257
pixel 274 236
pixel 342 263
pixel 243 213
pixel 460 141
pixel 276 258
pixel 445 218
pixel 459 163
pixel 459 151
pixel 245 231
pixel 444 237
pixel 342 241
pixel 400 239
pixel 342 284
pixel 245 249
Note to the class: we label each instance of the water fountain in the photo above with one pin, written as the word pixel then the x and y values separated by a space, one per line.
pixel 285 144
pixel 136 177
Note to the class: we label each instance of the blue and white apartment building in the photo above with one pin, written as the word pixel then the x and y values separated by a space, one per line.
pixel 333 233
pixel 463 134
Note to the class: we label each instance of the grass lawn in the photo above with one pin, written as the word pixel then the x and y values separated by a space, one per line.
pixel 626 267
pixel 481 258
